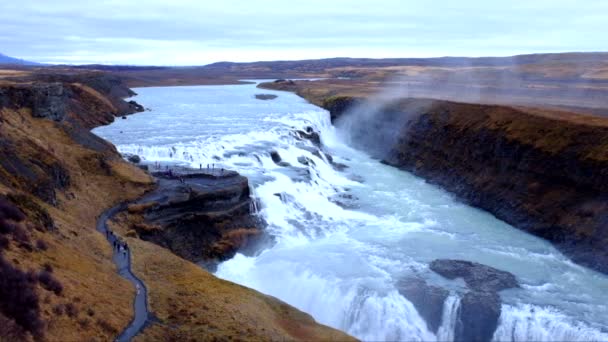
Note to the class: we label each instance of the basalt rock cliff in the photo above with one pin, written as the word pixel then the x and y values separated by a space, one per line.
pixel 202 217
pixel 543 171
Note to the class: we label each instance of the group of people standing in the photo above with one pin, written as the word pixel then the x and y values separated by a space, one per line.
pixel 119 246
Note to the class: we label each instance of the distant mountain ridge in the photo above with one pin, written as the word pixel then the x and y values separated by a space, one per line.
pixel 4 59
pixel 323 64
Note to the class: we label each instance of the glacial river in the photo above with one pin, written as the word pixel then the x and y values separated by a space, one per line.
pixel 341 262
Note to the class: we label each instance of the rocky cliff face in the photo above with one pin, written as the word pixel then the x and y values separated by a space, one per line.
pixel 543 172
pixel 75 108
pixel 204 218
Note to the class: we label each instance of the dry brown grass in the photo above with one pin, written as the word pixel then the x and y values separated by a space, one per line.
pixel 193 304
pixel 96 95
pixel 79 255
pixel 12 73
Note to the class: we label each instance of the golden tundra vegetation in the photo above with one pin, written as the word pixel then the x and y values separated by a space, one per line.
pixel 55 181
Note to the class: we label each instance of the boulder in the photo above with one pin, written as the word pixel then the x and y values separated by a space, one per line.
pixel 135 107
pixel 311 135
pixel 265 96
pixel 276 157
pixel 480 307
pixel 427 299
pixel 305 161
pixel 478 277
pixel 477 316
pixel 133 158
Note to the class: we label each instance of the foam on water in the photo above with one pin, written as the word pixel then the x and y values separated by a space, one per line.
pixel 342 265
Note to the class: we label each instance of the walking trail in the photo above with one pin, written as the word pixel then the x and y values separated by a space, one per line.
pixel 122 259
pixel 204 179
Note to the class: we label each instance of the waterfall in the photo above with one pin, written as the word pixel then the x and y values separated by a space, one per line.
pixel 527 322
pixel 340 263
pixel 448 319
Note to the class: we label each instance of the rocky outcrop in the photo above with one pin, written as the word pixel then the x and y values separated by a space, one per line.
pixel 478 316
pixel 133 158
pixel 480 307
pixel 199 216
pixel 49 101
pixel 265 96
pixel 75 108
pixel 46 100
pixel 478 277
pixel 337 105
pixel 309 134
pixel 542 171
pixel 427 299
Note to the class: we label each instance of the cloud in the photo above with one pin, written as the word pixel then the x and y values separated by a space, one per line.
pixel 199 32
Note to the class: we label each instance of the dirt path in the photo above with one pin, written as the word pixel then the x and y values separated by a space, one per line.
pixel 122 259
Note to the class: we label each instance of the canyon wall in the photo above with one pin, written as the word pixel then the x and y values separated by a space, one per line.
pixel 545 172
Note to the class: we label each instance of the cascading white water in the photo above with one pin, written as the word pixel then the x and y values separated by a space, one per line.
pixel 345 238
pixel 448 320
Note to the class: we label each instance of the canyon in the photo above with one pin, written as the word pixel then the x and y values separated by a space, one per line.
pixel 542 170
pixel 533 155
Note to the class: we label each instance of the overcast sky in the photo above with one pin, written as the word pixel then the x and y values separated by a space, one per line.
pixel 194 32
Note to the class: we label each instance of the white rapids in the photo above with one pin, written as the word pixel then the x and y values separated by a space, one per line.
pixel 343 239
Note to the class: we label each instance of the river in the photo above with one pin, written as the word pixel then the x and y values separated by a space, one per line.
pixel 343 239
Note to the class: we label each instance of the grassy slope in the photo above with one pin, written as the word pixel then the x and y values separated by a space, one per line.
pixel 193 304
pixel 81 258
pixel 78 254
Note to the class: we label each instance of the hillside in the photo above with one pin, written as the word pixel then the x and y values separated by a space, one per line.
pixel 58 281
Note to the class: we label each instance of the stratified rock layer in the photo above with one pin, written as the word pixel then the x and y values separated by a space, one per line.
pixel 199 216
